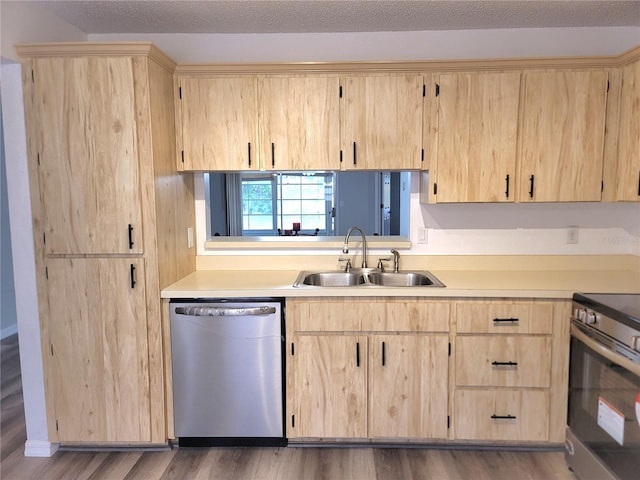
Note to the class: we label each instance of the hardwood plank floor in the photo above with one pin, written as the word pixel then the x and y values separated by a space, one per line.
pixel 293 463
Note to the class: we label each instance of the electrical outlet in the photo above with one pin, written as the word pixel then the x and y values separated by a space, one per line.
pixel 572 235
pixel 423 235
pixel 190 237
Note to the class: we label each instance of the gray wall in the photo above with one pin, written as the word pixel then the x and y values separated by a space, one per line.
pixel 8 318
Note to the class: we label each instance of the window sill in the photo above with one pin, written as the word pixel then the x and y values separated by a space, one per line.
pixel 302 243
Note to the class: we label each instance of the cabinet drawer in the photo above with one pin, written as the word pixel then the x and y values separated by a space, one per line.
pixel 335 315
pixel 503 361
pixel 508 415
pixel 504 317
pixel 403 315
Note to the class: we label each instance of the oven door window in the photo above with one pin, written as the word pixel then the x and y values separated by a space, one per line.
pixel 602 409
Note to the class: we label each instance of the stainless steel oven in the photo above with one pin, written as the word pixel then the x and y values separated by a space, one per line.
pixel 603 434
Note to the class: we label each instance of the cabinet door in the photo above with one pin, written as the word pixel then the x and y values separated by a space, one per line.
pixel 562 149
pixel 382 122
pixel 219 123
pixel 299 123
pixel 627 179
pixel 98 335
pixel 477 137
pixel 330 387
pixel 408 384
pixel 88 160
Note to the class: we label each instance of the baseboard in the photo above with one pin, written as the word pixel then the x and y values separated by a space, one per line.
pixel 39 448
pixel 7 332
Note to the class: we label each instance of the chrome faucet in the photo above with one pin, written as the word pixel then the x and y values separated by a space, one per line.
pixel 396 260
pixel 345 248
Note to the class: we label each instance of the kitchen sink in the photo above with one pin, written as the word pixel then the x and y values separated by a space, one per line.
pixel 368 277
pixel 404 279
pixel 330 279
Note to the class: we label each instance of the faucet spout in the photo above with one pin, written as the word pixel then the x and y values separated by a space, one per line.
pixel 345 248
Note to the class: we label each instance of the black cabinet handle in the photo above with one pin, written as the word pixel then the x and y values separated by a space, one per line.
pixel 273 155
pixel 249 152
pixel 505 320
pixel 504 364
pixel 354 153
pixel 507 182
pixel 531 180
pixel 357 354
pixel 130 236
pixel 639 183
pixel 132 271
pixel 383 354
pixel 503 417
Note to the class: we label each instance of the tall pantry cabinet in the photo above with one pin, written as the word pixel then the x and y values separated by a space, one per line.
pixel 110 217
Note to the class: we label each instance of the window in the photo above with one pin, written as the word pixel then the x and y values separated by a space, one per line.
pixel 256 204
pixel 285 203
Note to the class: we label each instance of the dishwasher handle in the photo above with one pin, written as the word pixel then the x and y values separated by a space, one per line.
pixel 225 311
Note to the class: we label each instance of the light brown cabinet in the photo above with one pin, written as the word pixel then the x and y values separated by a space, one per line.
pixel 622 163
pixel 217 123
pixel 477 118
pixel 562 136
pixel 330 386
pixel 407 378
pixel 381 122
pixel 88 168
pixel 107 204
pixel 236 123
pixel 510 370
pixel 374 380
pixel 98 333
pixel 299 127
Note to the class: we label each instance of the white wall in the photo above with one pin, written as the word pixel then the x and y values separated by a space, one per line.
pixel 22 23
pixel 434 45
pixel 8 318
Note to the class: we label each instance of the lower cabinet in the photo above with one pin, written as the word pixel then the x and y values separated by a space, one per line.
pixel 423 370
pixel 364 383
pixel 101 383
pixel 510 371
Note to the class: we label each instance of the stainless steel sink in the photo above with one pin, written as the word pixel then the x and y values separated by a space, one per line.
pixel 404 279
pixel 330 279
pixel 367 277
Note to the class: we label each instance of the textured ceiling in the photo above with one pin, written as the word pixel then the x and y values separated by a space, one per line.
pixel 277 16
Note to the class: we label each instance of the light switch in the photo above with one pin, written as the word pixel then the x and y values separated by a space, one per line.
pixel 190 237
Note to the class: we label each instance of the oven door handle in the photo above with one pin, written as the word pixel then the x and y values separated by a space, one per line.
pixel 604 351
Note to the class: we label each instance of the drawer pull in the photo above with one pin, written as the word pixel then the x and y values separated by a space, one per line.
pixel 502 321
pixel 503 417
pixel 504 364
pixel 357 354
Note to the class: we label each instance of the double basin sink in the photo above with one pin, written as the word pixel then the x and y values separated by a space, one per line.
pixel 367 277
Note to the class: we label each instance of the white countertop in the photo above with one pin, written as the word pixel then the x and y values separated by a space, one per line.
pixel 458 283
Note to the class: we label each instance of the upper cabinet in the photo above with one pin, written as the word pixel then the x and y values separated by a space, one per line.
pixel 88 155
pixel 477 123
pixel 562 136
pixel 381 127
pixel 622 161
pixel 299 122
pixel 217 123
pixel 265 123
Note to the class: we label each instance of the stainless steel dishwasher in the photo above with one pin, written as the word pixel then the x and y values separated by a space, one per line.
pixel 227 365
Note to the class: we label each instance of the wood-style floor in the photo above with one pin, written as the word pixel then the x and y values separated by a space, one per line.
pixel 253 463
